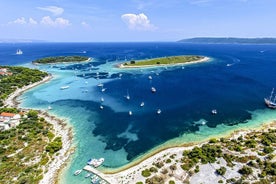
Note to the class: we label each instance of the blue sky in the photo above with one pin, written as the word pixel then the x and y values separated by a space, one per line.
pixel 135 20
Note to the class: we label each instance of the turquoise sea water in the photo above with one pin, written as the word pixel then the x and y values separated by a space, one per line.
pixel 234 82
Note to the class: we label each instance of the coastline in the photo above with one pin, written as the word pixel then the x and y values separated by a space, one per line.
pixel 60 129
pixel 204 59
pixel 127 174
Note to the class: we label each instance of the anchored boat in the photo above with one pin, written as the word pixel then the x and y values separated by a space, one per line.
pixel 269 102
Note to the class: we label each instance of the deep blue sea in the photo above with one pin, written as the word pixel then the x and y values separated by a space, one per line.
pixel 234 82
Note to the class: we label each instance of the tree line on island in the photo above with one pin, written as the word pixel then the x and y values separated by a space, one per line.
pixel 20 76
pixel 165 61
pixel 60 59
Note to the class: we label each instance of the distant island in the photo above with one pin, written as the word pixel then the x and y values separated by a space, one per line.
pixel 230 40
pixel 61 59
pixel 163 61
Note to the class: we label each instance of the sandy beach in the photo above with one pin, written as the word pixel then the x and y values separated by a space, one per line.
pixel 204 59
pixel 60 129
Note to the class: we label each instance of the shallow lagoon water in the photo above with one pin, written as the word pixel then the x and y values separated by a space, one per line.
pixel 234 82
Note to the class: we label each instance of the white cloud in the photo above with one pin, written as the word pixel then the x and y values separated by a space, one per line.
pixel 20 20
pixel 23 20
pixel 56 11
pixel 60 22
pixel 32 21
pixel 137 22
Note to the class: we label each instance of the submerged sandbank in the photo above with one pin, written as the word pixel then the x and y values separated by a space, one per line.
pixel 195 139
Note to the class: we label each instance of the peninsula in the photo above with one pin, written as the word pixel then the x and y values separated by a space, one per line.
pixel 164 61
pixel 61 59
pixel 229 40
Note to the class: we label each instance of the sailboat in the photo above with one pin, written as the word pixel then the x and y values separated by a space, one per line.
pixel 269 102
pixel 127 96
pixel 19 52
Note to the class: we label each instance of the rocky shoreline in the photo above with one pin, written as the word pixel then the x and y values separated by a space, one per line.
pixel 60 129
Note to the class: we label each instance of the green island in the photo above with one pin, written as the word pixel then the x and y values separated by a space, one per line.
pixel 172 60
pixel 60 59
pixel 12 78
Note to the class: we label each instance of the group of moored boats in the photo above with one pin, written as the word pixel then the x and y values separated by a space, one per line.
pixel 94 178
pixel 127 96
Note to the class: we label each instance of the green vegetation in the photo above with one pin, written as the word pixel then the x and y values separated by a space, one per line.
pixel 254 151
pixel 164 61
pixel 221 171
pixel 60 59
pixel 23 150
pixel 146 173
pixel 245 170
pixel 20 77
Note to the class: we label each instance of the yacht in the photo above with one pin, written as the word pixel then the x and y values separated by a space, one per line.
pixel 64 87
pixel 214 111
pixel 101 107
pixel 103 89
pixel 95 162
pixel 49 107
pixel 142 104
pixel 77 172
pixel 102 99
pixel 153 89
pixel 150 77
pixel 158 111
pixel 19 52
pixel 130 113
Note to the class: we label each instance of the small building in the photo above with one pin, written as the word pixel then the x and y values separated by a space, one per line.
pixel 8 120
pixel 4 71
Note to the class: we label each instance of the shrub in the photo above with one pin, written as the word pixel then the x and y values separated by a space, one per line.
pixel 146 173
pixel 245 170
pixel 221 171
pixel 171 182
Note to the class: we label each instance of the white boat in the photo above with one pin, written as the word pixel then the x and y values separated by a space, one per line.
pixel 100 85
pixel 153 89
pixel 150 77
pixel 87 175
pixel 127 96
pixel 130 113
pixel 269 102
pixel 19 52
pixel 214 111
pixel 95 162
pixel 102 99
pixel 158 111
pixel 142 104
pixel 64 87
pixel 77 172
pixel 101 107
pixel 103 89
pixel 49 107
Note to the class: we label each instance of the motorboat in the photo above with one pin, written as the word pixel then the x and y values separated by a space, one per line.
pixel 77 172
